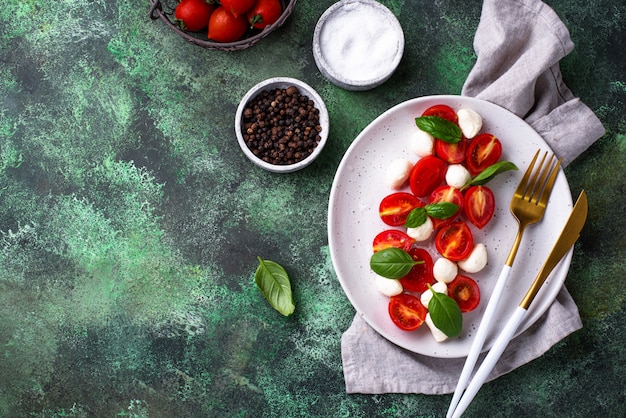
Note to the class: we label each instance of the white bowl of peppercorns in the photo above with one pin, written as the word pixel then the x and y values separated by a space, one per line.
pixel 282 124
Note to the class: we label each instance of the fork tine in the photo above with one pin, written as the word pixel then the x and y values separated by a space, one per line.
pixel 539 179
pixel 547 190
pixel 521 187
pixel 543 187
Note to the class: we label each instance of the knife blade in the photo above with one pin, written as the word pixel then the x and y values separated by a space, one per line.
pixel 569 235
pixel 567 238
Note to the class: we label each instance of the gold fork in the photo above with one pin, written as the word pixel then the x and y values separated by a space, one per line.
pixel 531 198
pixel 527 206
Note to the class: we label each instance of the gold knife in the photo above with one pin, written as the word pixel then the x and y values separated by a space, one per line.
pixel 569 235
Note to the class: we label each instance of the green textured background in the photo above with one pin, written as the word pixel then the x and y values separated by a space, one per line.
pixel 130 220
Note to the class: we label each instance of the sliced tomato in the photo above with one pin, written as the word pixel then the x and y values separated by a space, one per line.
pixel 428 173
pixel 392 238
pixel 394 208
pixel 406 311
pixel 443 111
pixel 451 153
pixel 446 194
pixel 479 205
pixel 484 150
pixel 465 291
pixel 455 241
pixel 421 274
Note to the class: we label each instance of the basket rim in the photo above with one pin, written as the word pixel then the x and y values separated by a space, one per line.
pixel 156 12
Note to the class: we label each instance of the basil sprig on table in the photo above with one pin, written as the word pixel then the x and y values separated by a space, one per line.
pixel 440 128
pixel 490 172
pixel 439 210
pixel 392 263
pixel 445 313
pixel 273 281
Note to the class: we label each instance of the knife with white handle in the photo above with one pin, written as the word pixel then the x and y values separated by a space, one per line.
pixel 568 237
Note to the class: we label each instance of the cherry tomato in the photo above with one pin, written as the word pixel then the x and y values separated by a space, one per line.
pixel 465 292
pixel 264 12
pixel 224 27
pixel 193 15
pixel 479 205
pixel 237 7
pixel 451 153
pixel 428 173
pixel 392 238
pixel 394 208
pixel 442 111
pixel 406 311
pixel 484 150
pixel 421 274
pixel 454 241
pixel 446 194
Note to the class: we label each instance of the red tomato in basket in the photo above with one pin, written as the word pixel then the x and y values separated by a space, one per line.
pixel 479 205
pixel 451 153
pixel 264 12
pixel 455 241
pixel 465 292
pixel 237 7
pixel 225 27
pixel 406 311
pixel 484 150
pixel 395 208
pixel 421 274
pixel 193 15
pixel 443 111
pixel 428 173
pixel 446 194
pixel 392 238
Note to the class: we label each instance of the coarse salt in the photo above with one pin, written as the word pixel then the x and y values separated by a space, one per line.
pixel 360 43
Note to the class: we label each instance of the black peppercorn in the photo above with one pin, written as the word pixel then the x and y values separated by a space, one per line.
pixel 281 126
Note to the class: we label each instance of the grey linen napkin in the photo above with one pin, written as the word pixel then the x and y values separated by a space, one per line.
pixel 519 44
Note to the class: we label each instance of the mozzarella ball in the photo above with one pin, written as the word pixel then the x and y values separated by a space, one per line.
pixel 457 176
pixel 427 295
pixel 422 143
pixel 476 261
pixel 445 270
pixel 388 287
pixel 437 333
pixel 398 172
pixel 422 232
pixel 470 122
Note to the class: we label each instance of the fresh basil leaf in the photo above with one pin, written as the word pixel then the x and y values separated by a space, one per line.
pixel 440 128
pixel 441 210
pixel 438 210
pixel 446 314
pixel 392 263
pixel 416 218
pixel 490 172
pixel 274 283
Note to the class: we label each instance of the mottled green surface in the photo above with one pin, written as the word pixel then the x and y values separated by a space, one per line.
pixel 130 220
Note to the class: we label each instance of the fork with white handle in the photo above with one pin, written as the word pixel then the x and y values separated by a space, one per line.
pixel 566 240
pixel 527 206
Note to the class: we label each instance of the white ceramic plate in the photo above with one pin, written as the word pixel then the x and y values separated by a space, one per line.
pixel 353 222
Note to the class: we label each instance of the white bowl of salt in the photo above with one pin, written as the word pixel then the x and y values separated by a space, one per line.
pixel 358 44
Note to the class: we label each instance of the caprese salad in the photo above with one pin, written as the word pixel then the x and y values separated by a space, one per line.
pixel 435 202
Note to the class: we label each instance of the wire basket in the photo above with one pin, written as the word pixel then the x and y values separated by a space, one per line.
pixel 164 10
